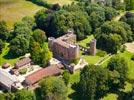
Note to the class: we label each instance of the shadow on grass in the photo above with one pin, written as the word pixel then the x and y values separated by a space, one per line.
pixel 9 55
pixel 75 95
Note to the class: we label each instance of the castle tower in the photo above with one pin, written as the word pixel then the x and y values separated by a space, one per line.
pixel 50 43
pixel 74 52
pixel 92 49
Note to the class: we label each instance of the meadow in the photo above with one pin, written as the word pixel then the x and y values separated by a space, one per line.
pixel 12 11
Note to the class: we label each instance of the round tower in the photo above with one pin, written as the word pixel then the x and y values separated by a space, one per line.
pixel 93 47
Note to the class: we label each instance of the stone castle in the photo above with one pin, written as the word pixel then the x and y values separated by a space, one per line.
pixel 65 46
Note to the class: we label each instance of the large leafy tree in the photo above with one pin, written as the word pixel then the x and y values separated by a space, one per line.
pixel 35 51
pixel 129 19
pixel 46 55
pixel 19 45
pixel 40 54
pixel 53 88
pixel 42 20
pixel 29 21
pixel 57 23
pixel 24 95
pixel 4 33
pixel 64 20
pixel 39 36
pixel 110 13
pixel 21 28
pixel 110 37
pixel 93 82
pixel 118 64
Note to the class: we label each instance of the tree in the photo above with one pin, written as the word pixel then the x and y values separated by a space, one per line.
pixel 42 20
pixel 110 13
pixel 93 82
pixel 55 7
pixel 39 36
pixel 4 33
pixel 66 77
pixel 110 38
pixel 96 15
pixel 21 28
pixel 46 55
pixel 63 20
pixel 40 55
pixel 2 45
pixel 117 4
pixel 129 4
pixel 19 45
pixel 24 95
pixel 129 19
pixel 118 64
pixel 53 88
pixel 29 21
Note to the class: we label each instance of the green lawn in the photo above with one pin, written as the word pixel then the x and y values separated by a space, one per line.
pixel 110 96
pixel 74 78
pixel 5 57
pixel 90 59
pixel 127 55
pixel 14 10
pixel 86 41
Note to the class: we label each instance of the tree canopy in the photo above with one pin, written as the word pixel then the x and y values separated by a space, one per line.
pixel 120 65
pixel 24 95
pixel 19 45
pixel 110 38
pixel 93 82
pixel 53 88
pixel 4 33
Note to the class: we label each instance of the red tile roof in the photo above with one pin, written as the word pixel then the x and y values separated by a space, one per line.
pixel 45 72
pixel 22 62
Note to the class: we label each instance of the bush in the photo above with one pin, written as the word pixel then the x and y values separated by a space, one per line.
pixel 23 71
pixel 101 53
pixel 132 58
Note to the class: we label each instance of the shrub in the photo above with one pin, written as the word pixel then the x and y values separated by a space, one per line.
pixel 23 71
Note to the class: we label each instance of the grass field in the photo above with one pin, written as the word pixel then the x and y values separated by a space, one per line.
pixel 61 2
pixel 14 10
pixel 5 57
pixel 86 41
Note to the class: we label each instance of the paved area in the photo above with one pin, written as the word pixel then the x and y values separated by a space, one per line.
pixel 130 47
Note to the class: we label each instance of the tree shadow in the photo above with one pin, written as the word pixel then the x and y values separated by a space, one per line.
pixel 9 55
pixel 75 95
pixel 38 94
